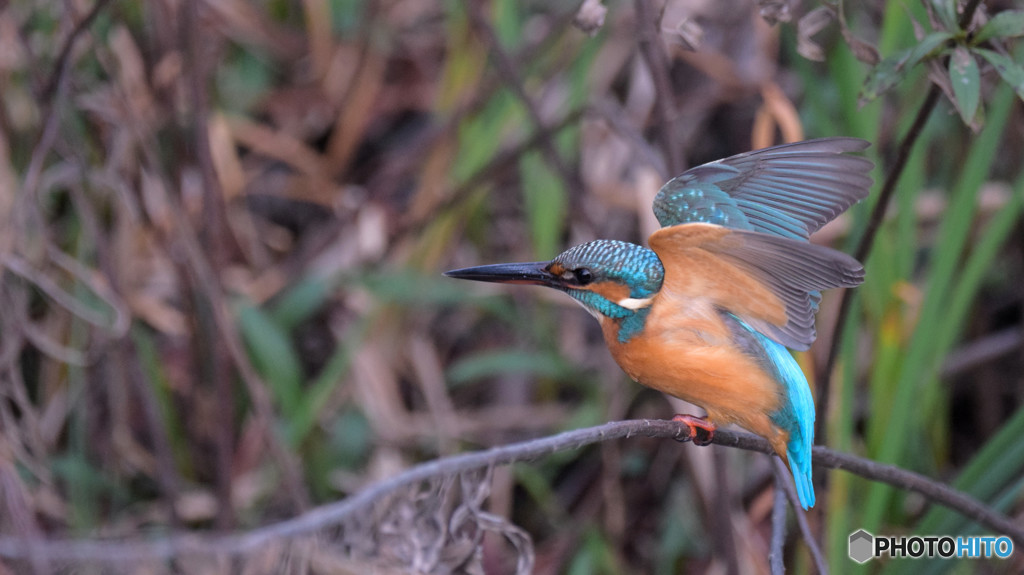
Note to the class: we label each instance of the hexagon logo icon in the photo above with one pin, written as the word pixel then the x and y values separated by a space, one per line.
pixel 861 543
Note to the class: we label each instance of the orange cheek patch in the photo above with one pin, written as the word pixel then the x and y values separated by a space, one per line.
pixel 556 269
pixel 611 291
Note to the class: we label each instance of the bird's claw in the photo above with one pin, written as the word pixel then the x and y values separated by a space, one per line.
pixel 702 431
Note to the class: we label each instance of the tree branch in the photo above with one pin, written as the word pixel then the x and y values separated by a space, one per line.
pixel 332 514
pixel 801 519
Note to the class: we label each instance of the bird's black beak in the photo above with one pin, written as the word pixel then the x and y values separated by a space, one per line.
pixel 534 273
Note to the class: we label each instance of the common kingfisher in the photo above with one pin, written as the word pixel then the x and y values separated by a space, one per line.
pixel 729 282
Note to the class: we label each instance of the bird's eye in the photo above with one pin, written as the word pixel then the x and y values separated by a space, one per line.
pixel 583 276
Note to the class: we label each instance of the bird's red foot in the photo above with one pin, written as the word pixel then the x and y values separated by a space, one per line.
pixel 702 431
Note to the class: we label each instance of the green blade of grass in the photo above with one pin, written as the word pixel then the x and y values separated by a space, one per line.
pixel 546 204
pixel 307 409
pixel 301 300
pixel 842 429
pixel 272 354
pixel 153 369
pixel 978 476
pixel 489 364
pixel 901 421
pixel 1001 460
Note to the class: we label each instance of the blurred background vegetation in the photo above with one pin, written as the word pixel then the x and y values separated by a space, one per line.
pixel 222 227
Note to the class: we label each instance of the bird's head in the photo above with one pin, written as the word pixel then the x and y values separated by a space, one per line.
pixel 609 278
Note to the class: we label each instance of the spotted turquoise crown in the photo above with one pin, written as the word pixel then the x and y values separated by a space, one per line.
pixel 622 262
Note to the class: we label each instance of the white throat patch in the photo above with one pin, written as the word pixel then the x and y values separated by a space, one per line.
pixel 634 303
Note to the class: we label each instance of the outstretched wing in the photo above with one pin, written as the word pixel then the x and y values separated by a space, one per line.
pixel 769 282
pixel 789 190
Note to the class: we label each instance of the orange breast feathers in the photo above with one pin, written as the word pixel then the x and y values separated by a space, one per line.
pixel 686 351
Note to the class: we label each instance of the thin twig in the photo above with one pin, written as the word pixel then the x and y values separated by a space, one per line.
pixel 168 480
pixel 490 170
pixel 865 245
pixel 778 524
pixel 400 163
pixel 63 63
pixel 867 241
pixel 801 520
pixel 615 116
pixel 719 517
pixel 123 356
pixel 213 237
pixel 514 80
pixel 51 95
pixel 654 56
pixel 982 351
pixel 314 520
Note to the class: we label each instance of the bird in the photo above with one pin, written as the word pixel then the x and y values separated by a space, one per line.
pixel 728 283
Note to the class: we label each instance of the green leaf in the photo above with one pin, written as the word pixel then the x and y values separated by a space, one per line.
pixel 351 438
pixel 243 80
pixel 301 300
pixel 546 203
pixel 893 69
pixel 508 23
pixel 316 393
pixel 945 10
pixel 594 556
pixel 966 81
pixel 1008 24
pixel 272 354
pixel 925 48
pixel 884 76
pixel 1009 70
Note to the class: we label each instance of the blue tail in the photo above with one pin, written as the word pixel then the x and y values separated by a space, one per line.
pixel 799 452
pixel 796 416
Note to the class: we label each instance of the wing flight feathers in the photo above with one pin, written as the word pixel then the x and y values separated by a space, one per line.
pixel 789 190
pixel 768 281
